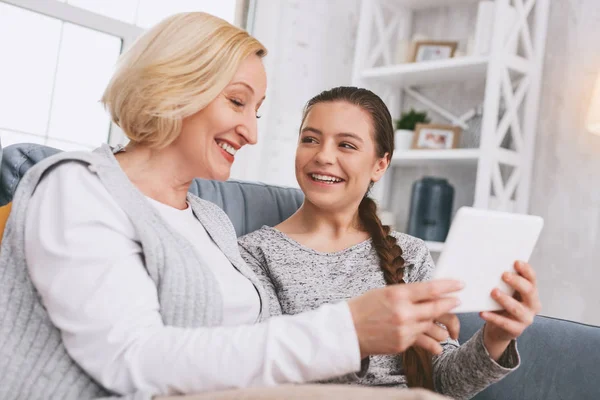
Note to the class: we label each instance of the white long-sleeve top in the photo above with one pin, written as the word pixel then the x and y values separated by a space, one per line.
pixel 85 259
pixel 241 304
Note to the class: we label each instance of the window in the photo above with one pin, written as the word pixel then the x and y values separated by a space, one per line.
pixel 146 13
pixel 58 56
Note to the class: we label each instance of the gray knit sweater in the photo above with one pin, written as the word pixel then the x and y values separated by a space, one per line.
pixel 34 363
pixel 298 278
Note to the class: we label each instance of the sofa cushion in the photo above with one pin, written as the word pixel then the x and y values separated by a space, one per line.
pixel 250 205
pixel 559 360
pixel 4 212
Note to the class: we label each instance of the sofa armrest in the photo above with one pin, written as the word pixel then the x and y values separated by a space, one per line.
pixel 16 160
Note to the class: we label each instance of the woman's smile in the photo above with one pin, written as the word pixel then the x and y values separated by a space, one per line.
pixel 227 149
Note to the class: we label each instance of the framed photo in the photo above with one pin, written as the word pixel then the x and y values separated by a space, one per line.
pixel 432 51
pixel 436 137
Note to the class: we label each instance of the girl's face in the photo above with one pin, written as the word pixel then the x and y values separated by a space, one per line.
pixel 336 157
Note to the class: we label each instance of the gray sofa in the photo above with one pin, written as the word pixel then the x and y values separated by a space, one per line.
pixel 560 359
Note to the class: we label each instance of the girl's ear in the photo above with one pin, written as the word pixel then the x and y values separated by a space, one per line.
pixel 381 165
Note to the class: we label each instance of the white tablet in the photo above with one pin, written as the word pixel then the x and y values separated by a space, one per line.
pixel 480 247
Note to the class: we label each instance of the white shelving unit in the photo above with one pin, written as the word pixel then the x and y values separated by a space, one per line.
pixel 422 4
pixel 419 74
pixel 420 157
pixel 510 79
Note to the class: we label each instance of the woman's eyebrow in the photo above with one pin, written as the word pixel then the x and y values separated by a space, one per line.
pixel 244 84
pixel 249 88
pixel 311 129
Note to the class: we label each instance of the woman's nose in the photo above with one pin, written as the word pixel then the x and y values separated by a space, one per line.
pixel 248 130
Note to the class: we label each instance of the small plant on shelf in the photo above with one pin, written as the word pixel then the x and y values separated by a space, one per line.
pixel 405 127
pixel 410 119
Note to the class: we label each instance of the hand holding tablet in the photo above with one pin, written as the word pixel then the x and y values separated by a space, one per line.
pixel 480 247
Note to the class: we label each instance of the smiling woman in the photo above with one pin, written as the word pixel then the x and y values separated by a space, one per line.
pixel 204 114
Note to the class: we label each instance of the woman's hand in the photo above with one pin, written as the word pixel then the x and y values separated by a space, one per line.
pixel 391 319
pixel 519 311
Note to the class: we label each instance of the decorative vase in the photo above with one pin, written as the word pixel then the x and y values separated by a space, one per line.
pixel 403 139
pixel 430 209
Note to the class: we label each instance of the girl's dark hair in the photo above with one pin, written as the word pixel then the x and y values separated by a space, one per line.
pixel 416 361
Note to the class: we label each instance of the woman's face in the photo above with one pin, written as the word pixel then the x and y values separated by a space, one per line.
pixel 336 158
pixel 210 138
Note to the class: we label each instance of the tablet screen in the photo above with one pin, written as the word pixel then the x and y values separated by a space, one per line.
pixel 480 247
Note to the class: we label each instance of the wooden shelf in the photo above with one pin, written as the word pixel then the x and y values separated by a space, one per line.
pixel 435 247
pixel 421 4
pixel 430 72
pixel 422 157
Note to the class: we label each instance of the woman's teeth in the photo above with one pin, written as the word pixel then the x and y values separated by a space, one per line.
pixel 325 178
pixel 227 148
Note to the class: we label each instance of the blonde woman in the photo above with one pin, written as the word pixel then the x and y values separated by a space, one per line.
pixel 115 280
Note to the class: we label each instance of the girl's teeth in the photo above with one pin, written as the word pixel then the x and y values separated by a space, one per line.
pixel 324 178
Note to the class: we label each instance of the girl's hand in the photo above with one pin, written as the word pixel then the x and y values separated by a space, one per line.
pixel 444 327
pixel 519 311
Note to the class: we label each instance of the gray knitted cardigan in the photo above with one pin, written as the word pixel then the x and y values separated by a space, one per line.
pixel 34 363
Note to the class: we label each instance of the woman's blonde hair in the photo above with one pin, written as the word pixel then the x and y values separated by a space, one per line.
pixel 173 71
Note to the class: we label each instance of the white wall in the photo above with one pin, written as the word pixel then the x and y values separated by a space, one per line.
pixel 311 49
pixel 311 45
pixel 566 175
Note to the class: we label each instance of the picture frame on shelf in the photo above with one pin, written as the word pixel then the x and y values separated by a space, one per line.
pixel 433 50
pixel 436 137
